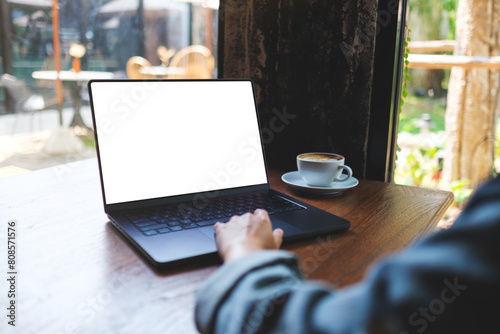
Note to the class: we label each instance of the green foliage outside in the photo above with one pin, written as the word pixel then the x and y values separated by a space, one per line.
pixel 422 118
pixel 415 107
pixel 450 7
pixel 461 191
pixel 435 19
pixel 88 140
pixel 419 160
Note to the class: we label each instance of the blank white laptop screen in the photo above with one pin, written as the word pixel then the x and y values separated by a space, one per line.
pixel 165 138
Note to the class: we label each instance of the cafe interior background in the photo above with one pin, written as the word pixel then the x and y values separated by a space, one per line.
pixel 334 80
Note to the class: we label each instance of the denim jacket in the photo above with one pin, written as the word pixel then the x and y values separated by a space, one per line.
pixel 446 283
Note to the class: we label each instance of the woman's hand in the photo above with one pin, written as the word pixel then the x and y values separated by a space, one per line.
pixel 245 234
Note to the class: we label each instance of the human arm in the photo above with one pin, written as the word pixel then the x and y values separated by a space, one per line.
pixel 441 285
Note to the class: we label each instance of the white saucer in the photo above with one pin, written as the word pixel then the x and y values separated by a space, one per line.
pixel 296 181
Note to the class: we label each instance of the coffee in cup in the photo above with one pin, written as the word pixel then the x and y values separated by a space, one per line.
pixel 322 169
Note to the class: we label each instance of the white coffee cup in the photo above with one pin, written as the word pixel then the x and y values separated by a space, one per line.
pixel 322 169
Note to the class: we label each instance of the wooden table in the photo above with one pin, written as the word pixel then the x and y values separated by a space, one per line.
pixel 162 71
pixel 75 79
pixel 77 274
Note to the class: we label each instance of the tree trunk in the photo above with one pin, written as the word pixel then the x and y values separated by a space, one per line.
pixel 471 115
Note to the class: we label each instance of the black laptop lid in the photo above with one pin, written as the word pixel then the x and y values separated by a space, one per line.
pixel 166 138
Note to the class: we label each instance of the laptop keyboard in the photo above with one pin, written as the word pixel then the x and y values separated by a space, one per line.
pixel 184 216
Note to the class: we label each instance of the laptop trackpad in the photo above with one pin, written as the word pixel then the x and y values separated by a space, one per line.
pixel 208 231
pixel 287 228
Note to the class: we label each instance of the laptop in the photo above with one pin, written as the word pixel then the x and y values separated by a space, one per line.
pixel 176 156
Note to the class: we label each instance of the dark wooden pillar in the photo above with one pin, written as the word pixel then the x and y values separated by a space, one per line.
pixel 386 91
pixel 141 23
pixel 312 66
pixel 7 59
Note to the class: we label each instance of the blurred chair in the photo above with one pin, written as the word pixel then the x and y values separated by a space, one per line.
pixel 197 60
pixel 165 54
pixel 49 65
pixel 133 66
pixel 26 101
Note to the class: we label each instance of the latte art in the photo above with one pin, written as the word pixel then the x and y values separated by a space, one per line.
pixel 320 157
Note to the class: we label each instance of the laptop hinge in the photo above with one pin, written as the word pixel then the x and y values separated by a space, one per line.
pixel 195 199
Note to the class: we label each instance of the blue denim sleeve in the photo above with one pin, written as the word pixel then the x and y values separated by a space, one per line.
pixel 447 283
